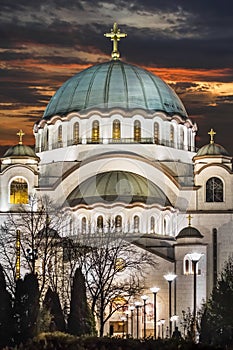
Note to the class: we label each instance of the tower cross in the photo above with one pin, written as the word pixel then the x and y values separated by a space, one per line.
pixel 211 133
pixel 20 134
pixel 115 36
pixel 189 217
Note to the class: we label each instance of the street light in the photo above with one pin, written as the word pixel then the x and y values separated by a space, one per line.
pixel 137 305
pixel 123 319
pixel 162 323
pixel 127 322
pixel 144 298
pixel 194 257
pixel 170 277
pixel 155 290
pixel 131 308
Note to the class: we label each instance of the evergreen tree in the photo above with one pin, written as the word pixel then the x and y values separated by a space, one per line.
pixel 26 308
pixel 80 320
pixel 53 306
pixel 217 320
pixel 6 312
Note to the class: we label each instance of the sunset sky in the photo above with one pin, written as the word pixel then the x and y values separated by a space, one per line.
pixel 187 43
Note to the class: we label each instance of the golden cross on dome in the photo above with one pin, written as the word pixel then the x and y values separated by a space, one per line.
pixel 211 133
pixel 115 36
pixel 189 217
pixel 20 134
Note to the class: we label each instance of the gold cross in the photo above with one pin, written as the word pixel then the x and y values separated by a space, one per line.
pixel 211 133
pixel 189 217
pixel 20 134
pixel 115 36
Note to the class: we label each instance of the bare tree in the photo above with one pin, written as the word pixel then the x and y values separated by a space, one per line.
pixel 113 268
pixel 40 224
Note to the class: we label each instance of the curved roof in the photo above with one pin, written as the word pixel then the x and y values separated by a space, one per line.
pixel 189 232
pixel 212 149
pixel 20 150
pixel 117 186
pixel 114 84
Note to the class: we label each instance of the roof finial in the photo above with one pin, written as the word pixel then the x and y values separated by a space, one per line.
pixel 189 217
pixel 211 133
pixel 20 134
pixel 115 36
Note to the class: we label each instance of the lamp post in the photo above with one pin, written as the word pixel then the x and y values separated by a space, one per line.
pixel 170 278
pixel 131 308
pixel 144 298
pixel 194 257
pixel 127 322
pixel 137 305
pixel 155 290
pixel 123 319
pixel 162 323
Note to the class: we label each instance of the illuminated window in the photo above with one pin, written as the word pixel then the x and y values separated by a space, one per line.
pixel 137 131
pixel 118 222
pixel 100 222
pixel 136 223
pixel 214 190
pixel 76 132
pixel 84 225
pixel 59 135
pixel 95 131
pixel 116 130
pixel 18 191
pixel 156 132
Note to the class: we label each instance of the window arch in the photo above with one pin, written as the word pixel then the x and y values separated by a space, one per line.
pixel 19 191
pixel 95 131
pixel 214 190
pixel 116 129
pixel 136 223
pixel 59 134
pixel 100 222
pixel 118 222
pixel 84 225
pixel 188 266
pixel 76 132
pixel 137 131
pixel 156 133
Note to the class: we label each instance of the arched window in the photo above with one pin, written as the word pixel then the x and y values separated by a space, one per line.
pixel 84 225
pixel 181 141
pixel 152 224
pixel 137 131
pixel 118 222
pixel 59 134
pixel 100 222
pixel 95 131
pixel 116 129
pixel 19 191
pixel 214 190
pixel 156 133
pixel 136 223
pixel 45 139
pixel 187 266
pixel 76 133
pixel 171 134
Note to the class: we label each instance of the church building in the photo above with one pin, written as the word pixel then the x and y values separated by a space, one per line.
pixel 116 143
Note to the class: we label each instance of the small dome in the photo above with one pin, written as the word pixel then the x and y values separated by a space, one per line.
pixel 114 84
pixel 212 149
pixel 20 150
pixel 117 186
pixel 189 232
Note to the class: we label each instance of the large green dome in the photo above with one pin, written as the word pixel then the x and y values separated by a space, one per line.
pixel 114 84
pixel 117 186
